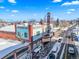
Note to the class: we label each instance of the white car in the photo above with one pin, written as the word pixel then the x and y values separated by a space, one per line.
pixel 54 51
pixel 71 50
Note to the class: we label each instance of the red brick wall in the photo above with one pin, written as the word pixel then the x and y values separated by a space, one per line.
pixel 8 35
pixel 31 32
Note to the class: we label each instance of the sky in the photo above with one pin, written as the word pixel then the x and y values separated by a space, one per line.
pixel 17 10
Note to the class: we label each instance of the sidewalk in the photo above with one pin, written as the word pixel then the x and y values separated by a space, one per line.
pixel 78 56
pixel 78 52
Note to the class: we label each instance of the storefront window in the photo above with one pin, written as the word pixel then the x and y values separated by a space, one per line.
pixel 38 33
pixel 25 34
pixel 19 34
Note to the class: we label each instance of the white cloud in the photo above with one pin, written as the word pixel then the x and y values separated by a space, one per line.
pixel 2 7
pixel 69 12
pixel 71 3
pixel 72 10
pixel 15 11
pixel 12 1
pixel 57 0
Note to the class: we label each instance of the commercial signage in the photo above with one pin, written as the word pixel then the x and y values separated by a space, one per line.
pixel 22 32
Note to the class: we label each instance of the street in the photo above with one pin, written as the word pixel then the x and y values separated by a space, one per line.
pixel 66 43
pixel 67 55
pixel 59 53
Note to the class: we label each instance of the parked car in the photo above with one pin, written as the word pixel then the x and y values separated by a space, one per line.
pixel 59 40
pixel 71 50
pixel 51 56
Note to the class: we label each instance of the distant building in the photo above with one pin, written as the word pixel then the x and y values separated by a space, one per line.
pixel 8 32
pixel 22 31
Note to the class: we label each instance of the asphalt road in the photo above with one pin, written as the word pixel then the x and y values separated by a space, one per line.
pixel 59 53
pixel 44 52
pixel 67 55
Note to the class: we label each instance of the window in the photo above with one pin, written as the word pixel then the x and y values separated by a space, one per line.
pixel 38 33
pixel 18 34
pixel 25 34
pixel 11 57
pixel 22 51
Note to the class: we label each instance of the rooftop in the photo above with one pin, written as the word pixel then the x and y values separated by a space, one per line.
pixel 5 43
pixel 11 49
pixel 22 25
pixel 8 28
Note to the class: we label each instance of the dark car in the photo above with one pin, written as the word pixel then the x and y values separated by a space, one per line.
pixel 51 56
pixel 59 40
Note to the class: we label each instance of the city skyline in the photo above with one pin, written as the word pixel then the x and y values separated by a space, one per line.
pixel 36 9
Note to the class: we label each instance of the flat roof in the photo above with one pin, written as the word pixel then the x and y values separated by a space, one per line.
pixel 7 46
pixel 6 51
pixel 8 28
pixel 22 25
pixel 26 24
pixel 5 43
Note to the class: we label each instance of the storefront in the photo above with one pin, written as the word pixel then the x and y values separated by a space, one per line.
pixel 22 32
pixel 32 33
